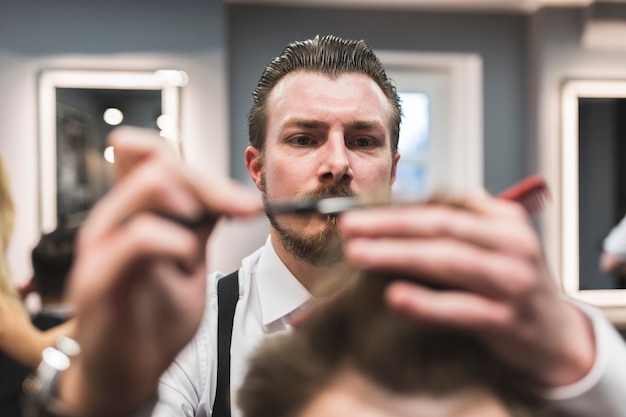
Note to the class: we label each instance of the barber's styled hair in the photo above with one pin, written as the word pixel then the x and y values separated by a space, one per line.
pixel 356 330
pixel 329 55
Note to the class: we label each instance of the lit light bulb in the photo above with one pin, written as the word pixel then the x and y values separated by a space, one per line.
pixel 109 154
pixel 165 122
pixel 113 116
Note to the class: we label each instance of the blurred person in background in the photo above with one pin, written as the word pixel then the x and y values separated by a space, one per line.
pixel 52 260
pixel 613 257
pixel 21 343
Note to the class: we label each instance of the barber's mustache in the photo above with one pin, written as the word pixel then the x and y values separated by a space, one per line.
pixel 330 190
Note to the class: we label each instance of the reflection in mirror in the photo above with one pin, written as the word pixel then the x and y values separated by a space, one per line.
pixel 77 111
pixel 593 180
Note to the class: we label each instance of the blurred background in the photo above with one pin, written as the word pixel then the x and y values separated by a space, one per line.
pixel 481 81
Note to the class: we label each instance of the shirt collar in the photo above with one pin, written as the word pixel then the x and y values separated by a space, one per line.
pixel 280 292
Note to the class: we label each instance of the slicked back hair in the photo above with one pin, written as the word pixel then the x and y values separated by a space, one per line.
pixel 329 55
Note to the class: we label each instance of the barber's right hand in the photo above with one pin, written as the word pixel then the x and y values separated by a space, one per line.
pixel 138 280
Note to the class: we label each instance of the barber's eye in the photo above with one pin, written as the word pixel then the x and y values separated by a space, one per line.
pixel 302 140
pixel 364 142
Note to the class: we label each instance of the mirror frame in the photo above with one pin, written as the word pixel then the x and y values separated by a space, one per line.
pixel 612 301
pixel 167 81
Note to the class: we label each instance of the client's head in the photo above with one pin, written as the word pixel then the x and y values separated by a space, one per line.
pixel 52 260
pixel 355 356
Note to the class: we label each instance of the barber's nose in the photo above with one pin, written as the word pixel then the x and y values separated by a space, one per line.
pixel 335 165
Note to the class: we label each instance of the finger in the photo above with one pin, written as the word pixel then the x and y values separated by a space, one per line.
pixel 446 263
pixel 221 195
pixel 132 145
pixel 502 232
pixel 226 196
pixel 480 201
pixel 108 258
pixel 154 186
pixel 450 309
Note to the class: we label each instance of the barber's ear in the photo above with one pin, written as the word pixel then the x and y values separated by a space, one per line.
pixel 254 164
pixel 394 167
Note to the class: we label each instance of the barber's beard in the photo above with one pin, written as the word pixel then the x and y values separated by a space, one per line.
pixel 322 249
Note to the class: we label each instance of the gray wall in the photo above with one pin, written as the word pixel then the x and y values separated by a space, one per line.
pixel 256 34
pixel 41 27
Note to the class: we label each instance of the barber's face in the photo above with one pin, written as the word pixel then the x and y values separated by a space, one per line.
pixel 354 395
pixel 324 137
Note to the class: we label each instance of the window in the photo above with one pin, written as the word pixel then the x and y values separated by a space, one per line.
pixel 413 168
pixel 441 130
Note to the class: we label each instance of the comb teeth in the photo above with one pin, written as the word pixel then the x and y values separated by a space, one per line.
pixel 532 193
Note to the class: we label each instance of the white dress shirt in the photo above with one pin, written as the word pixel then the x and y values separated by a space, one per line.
pixel 269 295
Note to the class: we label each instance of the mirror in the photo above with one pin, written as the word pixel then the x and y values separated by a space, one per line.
pixel 77 109
pixel 593 188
